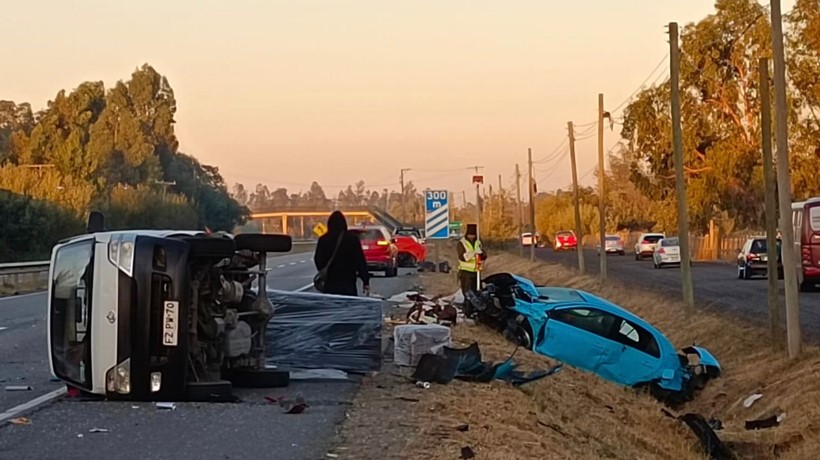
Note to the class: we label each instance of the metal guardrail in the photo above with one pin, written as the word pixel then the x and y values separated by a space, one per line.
pixel 24 267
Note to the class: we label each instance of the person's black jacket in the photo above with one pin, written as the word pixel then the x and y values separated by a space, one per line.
pixel 349 262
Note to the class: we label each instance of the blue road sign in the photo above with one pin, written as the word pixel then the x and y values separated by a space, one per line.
pixel 437 222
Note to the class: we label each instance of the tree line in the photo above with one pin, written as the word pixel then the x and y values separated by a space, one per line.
pixel 720 98
pixel 112 150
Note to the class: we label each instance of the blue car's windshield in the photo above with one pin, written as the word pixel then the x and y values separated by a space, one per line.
pixel 559 294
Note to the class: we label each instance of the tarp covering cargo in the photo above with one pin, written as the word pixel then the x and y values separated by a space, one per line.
pixel 321 331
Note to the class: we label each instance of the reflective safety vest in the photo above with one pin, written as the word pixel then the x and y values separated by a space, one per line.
pixel 474 264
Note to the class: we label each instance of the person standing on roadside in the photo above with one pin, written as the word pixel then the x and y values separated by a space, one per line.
pixel 470 257
pixel 339 253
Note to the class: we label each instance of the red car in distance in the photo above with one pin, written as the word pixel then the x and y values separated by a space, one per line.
pixel 565 241
pixel 411 251
pixel 380 249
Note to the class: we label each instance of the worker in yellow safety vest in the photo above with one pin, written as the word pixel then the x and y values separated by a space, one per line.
pixel 470 258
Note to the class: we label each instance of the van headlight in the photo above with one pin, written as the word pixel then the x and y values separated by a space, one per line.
pixel 118 378
pixel 121 252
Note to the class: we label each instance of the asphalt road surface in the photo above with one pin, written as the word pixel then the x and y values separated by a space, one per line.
pixel 716 285
pixel 250 429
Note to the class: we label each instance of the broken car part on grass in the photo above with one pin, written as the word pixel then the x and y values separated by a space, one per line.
pixel 592 334
pixel 466 364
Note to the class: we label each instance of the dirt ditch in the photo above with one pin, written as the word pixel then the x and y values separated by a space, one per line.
pixel 573 414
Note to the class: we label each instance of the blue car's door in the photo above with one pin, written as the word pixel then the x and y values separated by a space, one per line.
pixel 578 336
pixel 637 358
pixel 602 343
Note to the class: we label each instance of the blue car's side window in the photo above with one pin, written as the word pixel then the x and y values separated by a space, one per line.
pixel 590 320
pixel 610 327
pixel 638 338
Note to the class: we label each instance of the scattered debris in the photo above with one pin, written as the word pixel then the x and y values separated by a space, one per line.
pixel 166 406
pixel 466 364
pixel 412 341
pixel 751 400
pixel 467 452
pixel 712 445
pixel 715 424
pixel 763 423
pixel 297 409
pixel 318 374
pixel 408 399
pixel 425 385
pixel 426 267
pixel 18 388
pixel 98 430
pixel 20 421
pixel 329 455
pixel 295 406
pixel 463 428
pixel 444 267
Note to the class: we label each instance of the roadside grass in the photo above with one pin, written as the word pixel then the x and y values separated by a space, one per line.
pixel 574 414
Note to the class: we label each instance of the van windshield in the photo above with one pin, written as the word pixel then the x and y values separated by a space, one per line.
pixel 71 287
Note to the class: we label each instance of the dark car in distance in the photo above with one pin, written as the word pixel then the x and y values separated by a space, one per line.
pixel 752 259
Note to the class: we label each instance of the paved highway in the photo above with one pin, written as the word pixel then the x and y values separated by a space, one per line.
pixel 716 285
pixel 250 429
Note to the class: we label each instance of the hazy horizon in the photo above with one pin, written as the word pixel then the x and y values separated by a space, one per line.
pixel 284 93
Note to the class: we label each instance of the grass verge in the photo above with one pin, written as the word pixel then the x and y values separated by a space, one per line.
pixel 577 415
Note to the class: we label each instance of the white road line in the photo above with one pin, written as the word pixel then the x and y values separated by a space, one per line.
pixel 31 405
pixel 292 263
pixel 3 328
pixel 304 288
pixel 280 266
pixel 302 261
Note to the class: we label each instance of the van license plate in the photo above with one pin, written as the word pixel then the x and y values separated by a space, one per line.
pixel 170 328
pixel 365 247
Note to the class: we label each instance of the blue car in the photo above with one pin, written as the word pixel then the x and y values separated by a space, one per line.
pixel 593 334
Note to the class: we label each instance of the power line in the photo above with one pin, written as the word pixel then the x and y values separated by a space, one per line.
pixel 552 154
pixel 641 86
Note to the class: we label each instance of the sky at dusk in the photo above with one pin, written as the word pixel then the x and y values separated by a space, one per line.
pixel 287 92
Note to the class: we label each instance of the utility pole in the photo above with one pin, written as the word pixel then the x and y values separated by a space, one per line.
pixel 601 189
pixel 532 204
pixel 784 187
pixel 579 235
pixel 403 212
pixel 677 144
pixel 520 210
pixel 770 201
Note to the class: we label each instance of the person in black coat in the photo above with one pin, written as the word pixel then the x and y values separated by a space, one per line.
pixel 349 261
